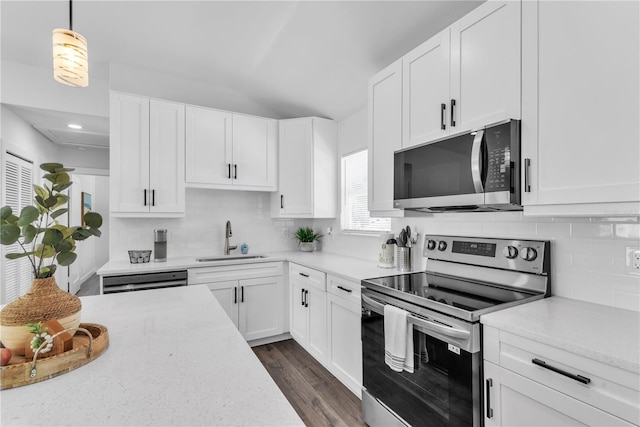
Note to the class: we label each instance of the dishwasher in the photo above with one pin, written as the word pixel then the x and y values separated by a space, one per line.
pixel 143 282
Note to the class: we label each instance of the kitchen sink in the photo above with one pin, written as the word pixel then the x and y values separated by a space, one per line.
pixel 230 258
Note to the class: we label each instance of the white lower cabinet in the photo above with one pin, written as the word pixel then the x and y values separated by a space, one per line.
pixel 309 310
pixel 567 390
pixel 252 295
pixel 344 355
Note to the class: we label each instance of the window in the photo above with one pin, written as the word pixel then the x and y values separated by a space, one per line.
pixel 355 210
pixel 17 192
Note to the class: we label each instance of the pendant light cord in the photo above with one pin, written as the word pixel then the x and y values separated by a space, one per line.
pixel 71 15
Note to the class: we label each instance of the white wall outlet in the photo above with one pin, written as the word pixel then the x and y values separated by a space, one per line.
pixel 635 262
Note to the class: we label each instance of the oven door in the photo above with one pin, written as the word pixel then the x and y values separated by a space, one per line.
pixel 444 389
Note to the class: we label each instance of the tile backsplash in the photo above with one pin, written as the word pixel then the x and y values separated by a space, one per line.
pixel 201 231
pixel 590 257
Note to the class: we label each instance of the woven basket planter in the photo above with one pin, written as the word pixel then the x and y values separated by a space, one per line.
pixel 44 301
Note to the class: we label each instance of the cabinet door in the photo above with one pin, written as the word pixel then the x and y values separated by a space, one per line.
pixel 426 73
pixel 345 345
pixel 166 158
pixel 580 107
pixel 227 295
pixel 385 136
pixel 296 167
pixel 261 311
pixel 208 146
pixel 129 153
pixel 485 66
pixel 317 312
pixel 254 152
pixel 514 400
pixel 299 314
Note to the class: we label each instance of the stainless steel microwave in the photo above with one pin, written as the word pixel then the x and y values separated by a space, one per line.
pixel 473 171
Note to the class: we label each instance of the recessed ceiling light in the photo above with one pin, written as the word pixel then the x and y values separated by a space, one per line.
pixel 74 126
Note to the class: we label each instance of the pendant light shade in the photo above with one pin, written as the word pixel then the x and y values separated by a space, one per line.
pixel 70 57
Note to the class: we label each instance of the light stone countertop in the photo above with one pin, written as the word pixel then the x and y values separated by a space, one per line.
pixel 606 334
pixel 347 267
pixel 174 358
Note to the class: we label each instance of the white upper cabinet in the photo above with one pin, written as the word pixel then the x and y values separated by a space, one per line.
pixel 580 108
pixel 385 137
pixel 308 179
pixel 230 151
pixel 465 77
pixel 146 156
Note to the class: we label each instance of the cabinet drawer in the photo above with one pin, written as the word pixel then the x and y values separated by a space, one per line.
pixel 234 272
pixel 344 288
pixel 308 277
pixel 605 387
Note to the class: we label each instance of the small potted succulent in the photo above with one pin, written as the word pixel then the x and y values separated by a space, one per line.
pixel 46 243
pixel 307 238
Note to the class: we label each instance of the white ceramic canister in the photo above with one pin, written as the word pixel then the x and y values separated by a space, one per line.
pixel 386 251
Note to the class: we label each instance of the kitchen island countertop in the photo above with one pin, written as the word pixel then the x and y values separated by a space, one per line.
pixel 174 358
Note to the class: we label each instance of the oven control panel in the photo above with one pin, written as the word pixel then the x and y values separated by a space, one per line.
pixel 530 256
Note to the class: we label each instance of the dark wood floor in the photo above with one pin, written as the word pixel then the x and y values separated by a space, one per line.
pixel 316 395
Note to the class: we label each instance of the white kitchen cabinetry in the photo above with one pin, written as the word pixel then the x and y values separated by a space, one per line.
pixel 230 151
pixel 309 310
pixel 580 108
pixel 308 179
pixel 465 77
pixel 344 353
pixel 385 137
pixel 578 392
pixel 146 156
pixel 253 295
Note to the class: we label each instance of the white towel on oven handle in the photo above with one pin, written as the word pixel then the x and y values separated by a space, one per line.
pixel 398 339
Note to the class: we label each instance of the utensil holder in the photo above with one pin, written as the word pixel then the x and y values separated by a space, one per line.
pixel 403 256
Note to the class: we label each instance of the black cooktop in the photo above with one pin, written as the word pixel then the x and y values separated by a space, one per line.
pixel 462 294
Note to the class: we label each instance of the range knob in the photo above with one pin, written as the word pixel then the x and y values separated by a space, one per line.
pixel 528 254
pixel 431 244
pixel 442 245
pixel 510 252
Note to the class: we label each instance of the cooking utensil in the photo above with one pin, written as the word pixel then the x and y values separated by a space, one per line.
pixel 409 242
pixel 402 239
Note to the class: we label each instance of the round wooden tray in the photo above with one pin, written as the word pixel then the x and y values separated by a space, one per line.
pixel 89 341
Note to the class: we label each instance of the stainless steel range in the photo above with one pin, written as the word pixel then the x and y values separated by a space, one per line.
pixel 465 278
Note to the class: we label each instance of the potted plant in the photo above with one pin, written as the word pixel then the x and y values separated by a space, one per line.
pixel 47 244
pixel 306 238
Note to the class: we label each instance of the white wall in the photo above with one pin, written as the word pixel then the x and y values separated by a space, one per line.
pixel 201 232
pixel 589 255
pixel 137 81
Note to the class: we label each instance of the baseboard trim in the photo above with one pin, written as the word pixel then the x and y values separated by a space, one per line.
pixel 269 340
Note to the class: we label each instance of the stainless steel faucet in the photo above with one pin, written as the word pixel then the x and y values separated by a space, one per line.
pixel 227 234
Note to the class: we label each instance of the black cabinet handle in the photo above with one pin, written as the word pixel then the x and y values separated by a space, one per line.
pixel 443 108
pixel 153 197
pixel 527 181
pixel 302 297
pixel 344 289
pixel 229 170
pixel 488 411
pixel 241 293
pixel 303 274
pixel 235 171
pixel 145 197
pixel 281 201
pixel 306 298
pixel 453 119
pixel 235 294
pixel 543 364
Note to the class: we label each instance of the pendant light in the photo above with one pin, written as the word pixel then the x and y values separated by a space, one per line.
pixel 70 58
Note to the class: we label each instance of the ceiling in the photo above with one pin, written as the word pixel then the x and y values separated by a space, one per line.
pixel 297 58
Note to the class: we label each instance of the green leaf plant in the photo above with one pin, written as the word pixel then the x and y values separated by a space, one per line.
pixel 306 235
pixel 37 231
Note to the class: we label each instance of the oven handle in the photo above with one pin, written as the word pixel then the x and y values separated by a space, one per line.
pixel 419 321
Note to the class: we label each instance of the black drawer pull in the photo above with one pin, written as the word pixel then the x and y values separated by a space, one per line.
pixel 302 297
pixel 443 108
pixel 453 116
pixel 281 201
pixel 488 410
pixel 344 289
pixel 543 364
pixel 303 274
pixel 145 197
